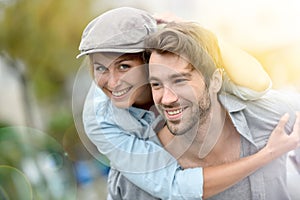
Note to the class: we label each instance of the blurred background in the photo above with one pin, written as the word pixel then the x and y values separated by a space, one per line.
pixel 43 85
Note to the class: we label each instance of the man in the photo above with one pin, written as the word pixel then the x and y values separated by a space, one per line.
pixel 209 127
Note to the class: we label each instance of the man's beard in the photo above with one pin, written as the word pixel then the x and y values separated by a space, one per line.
pixel 198 116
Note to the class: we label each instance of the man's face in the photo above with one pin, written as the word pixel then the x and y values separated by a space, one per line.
pixel 179 92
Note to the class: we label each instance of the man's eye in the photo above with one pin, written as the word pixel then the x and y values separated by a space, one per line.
pixel 124 67
pixel 100 68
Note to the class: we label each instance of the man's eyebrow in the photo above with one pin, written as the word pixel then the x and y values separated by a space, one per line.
pixel 180 75
pixel 173 76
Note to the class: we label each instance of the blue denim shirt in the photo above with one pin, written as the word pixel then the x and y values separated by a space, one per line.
pixel 127 138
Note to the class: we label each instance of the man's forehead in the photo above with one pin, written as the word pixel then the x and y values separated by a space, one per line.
pixel 173 62
pixel 166 72
pixel 170 60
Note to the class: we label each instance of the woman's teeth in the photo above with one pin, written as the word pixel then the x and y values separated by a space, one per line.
pixel 120 93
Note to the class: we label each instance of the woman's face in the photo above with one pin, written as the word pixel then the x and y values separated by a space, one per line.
pixel 122 77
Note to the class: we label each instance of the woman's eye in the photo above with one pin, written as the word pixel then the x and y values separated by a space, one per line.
pixel 124 67
pixel 155 85
pixel 100 68
pixel 180 80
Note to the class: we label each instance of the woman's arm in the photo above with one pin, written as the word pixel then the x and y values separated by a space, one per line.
pixel 243 69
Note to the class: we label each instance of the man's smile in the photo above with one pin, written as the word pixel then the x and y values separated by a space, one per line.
pixel 173 114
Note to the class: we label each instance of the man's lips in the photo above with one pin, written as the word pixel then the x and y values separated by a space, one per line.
pixel 173 114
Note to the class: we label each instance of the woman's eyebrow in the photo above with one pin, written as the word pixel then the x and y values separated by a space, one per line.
pixel 127 58
pixel 97 63
pixel 122 60
pixel 152 78
pixel 116 62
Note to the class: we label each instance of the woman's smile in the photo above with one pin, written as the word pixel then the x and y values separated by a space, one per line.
pixel 121 93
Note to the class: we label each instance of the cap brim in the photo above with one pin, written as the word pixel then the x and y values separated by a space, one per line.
pixel 109 50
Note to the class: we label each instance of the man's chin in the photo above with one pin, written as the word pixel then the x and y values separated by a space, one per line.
pixel 175 129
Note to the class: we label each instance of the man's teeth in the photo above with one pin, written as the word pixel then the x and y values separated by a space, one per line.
pixel 120 93
pixel 174 112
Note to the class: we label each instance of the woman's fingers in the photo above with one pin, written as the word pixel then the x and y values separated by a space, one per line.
pixel 282 122
pixel 296 128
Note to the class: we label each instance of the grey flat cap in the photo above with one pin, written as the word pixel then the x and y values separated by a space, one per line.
pixel 121 30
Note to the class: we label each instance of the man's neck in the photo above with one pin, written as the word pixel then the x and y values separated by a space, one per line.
pixel 227 148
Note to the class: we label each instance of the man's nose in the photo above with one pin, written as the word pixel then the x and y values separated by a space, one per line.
pixel 169 96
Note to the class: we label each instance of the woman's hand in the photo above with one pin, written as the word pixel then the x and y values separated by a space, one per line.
pixel 165 18
pixel 280 142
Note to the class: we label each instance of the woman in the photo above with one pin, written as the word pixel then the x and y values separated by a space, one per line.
pixel 123 126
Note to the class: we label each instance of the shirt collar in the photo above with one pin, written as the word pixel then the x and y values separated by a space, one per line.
pixel 231 103
pixel 137 112
pixel 235 107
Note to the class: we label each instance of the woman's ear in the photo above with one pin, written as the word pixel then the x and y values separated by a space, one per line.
pixel 216 80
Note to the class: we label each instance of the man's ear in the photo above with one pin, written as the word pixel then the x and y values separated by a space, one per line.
pixel 216 80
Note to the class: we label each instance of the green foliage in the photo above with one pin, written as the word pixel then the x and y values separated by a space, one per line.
pixel 45 35
pixel 59 123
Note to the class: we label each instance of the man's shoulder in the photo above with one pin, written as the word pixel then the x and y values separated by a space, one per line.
pixel 257 118
pixel 276 101
pixel 273 101
pixel 265 112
